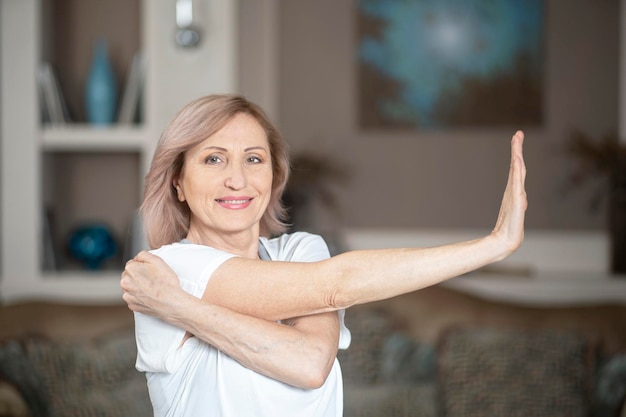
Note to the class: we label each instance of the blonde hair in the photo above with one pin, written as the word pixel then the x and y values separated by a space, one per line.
pixel 166 220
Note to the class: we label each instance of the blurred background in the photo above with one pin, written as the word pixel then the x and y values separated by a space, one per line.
pixel 302 61
pixel 399 115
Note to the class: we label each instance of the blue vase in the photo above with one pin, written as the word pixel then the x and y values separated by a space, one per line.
pixel 92 244
pixel 101 89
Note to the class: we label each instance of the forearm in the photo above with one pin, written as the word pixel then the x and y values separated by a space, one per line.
pixel 286 353
pixel 382 274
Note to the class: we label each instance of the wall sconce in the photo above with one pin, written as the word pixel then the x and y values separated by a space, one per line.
pixel 187 35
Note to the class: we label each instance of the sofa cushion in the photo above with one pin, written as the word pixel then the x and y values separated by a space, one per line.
pixel 361 362
pixel 87 379
pixel 390 401
pixel 492 372
pixel 11 401
pixel 405 361
pixel 16 369
pixel 610 388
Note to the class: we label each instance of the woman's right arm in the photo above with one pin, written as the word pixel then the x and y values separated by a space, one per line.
pixel 279 290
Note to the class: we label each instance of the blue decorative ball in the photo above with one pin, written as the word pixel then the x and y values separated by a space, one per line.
pixel 92 245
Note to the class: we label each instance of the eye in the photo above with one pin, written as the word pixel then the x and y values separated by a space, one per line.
pixel 253 159
pixel 213 160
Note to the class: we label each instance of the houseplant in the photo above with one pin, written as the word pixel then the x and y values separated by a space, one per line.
pixel 605 158
pixel 312 187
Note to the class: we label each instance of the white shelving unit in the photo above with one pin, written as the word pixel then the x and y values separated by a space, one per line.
pixel 83 138
pixel 43 165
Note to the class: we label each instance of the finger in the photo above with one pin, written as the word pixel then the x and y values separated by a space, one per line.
pixel 130 262
pixel 125 283
pixel 519 138
pixel 127 298
pixel 128 280
pixel 145 256
pixel 517 143
pixel 518 165
pixel 129 269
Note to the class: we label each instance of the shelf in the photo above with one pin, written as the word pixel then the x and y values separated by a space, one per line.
pixel 87 188
pixel 80 287
pixel 563 288
pixel 69 31
pixel 83 137
pixel 74 276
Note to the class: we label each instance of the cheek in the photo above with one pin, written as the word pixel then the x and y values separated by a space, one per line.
pixel 190 188
pixel 268 181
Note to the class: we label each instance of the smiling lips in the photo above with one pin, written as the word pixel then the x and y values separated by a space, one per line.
pixel 234 203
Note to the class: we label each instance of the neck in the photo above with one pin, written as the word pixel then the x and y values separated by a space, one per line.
pixel 244 244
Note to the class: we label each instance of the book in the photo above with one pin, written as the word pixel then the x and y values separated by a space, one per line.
pixel 48 248
pixel 129 107
pixel 53 106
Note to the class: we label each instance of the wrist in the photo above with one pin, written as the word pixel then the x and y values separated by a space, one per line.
pixel 499 246
pixel 178 309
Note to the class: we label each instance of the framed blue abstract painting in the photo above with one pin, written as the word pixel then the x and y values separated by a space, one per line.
pixel 427 64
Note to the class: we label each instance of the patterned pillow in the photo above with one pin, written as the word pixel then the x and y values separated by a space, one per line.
pixel 16 369
pixel 489 372
pixel 11 402
pixel 390 401
pixel 610 387
pixel 77 380
pixel 360 363
pixel 405 361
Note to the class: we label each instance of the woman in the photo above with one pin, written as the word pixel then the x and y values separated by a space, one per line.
pixel 258 337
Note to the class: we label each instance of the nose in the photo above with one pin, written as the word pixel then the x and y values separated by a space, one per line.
pixel 236 177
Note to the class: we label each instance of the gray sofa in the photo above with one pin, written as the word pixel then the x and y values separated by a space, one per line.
pixel 435 352
pixel 438 352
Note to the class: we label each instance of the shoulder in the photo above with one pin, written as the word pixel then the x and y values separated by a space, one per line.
pixel 297 247
pixel 188 258
pixel 187 250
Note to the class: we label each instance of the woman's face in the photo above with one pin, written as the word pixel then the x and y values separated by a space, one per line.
pixel 227 179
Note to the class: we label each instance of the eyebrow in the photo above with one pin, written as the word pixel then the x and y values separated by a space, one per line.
pixel 252 148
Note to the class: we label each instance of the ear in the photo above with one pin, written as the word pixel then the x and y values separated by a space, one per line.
pixel 179 191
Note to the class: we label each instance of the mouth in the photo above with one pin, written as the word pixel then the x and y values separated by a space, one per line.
pixel 234 201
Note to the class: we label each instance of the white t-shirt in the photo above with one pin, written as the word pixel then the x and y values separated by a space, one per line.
pixel 196 379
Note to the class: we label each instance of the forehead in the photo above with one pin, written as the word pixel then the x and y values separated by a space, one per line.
pixel 241 129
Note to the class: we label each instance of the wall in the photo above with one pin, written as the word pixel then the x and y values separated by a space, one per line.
pixel 447 178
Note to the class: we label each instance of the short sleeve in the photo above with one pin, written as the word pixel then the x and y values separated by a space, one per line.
pixel 158 342
pixel 305 247
pixel 297 247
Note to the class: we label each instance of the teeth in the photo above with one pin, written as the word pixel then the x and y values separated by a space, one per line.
pixel 235 201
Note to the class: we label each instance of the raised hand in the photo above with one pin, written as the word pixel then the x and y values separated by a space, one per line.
pixel 509 228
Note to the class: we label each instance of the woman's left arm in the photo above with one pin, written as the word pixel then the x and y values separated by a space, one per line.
pixel 299 352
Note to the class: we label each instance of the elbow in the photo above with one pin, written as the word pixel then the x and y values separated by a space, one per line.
pixel 316 369
pixel 339 297
pixel 314 378
pixel 339 293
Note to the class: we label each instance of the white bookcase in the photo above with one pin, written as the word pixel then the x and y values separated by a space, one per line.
pixel 84 173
